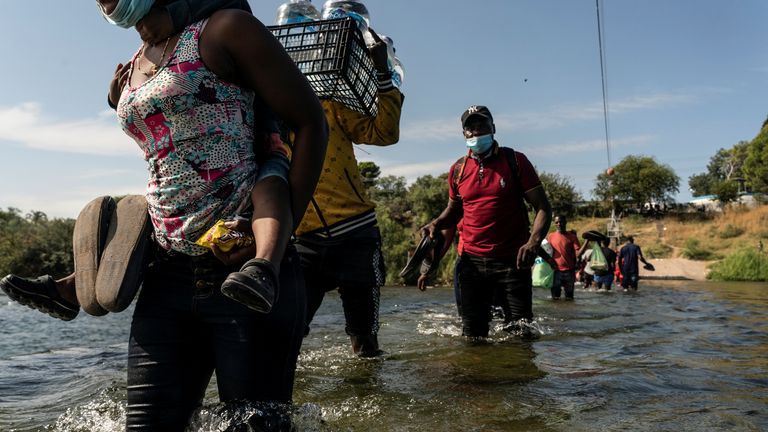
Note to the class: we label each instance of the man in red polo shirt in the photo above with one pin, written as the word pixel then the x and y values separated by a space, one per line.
pixel 567 251
pixel 488 188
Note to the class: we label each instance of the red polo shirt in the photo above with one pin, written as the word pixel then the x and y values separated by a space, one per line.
pixel 564 248
pixel 495 223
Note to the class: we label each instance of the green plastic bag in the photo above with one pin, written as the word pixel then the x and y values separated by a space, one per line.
pixel 597 261
pixel 542 275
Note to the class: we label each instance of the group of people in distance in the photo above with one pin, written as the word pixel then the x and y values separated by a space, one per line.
pixel 572 262
pixel 230 127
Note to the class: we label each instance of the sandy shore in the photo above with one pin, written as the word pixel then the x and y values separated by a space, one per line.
pixel 676 268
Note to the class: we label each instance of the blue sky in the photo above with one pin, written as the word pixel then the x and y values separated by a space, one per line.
pixel 685 78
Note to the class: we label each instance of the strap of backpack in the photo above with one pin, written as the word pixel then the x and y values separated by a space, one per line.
pixel 458 170
pixel 511 156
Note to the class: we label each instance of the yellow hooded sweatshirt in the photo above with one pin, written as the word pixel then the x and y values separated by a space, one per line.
pixel 340 204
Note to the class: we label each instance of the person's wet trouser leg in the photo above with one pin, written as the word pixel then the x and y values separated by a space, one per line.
pixel 563 281
pixel 355 266
pixel 479 280
pixel 184 328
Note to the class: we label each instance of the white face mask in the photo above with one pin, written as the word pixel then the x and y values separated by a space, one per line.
pixel 127 12
pixel 480 144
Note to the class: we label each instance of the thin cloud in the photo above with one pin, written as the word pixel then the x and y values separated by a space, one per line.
pixel 556 117
pixel 412 171
pixel 100 135
pixel 560 149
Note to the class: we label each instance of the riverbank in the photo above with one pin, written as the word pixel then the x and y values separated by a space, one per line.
pixel 676 269
pixel 685 245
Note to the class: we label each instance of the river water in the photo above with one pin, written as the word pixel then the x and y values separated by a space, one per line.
pixel 675 356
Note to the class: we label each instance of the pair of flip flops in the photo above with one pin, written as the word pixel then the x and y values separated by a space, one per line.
pixel 110 242
pixel 422 261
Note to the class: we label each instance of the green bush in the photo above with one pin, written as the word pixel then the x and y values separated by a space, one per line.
pixel 730 231
pixel 744 265
pixel 658 250
pixel 693 250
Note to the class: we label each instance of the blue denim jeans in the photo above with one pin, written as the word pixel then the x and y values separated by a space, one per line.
pixel 480 281
pixel 184 329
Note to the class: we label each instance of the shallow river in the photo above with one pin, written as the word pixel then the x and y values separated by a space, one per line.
pixel 676 356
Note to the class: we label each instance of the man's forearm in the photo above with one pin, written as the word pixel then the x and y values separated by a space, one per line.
pixel 450 216
pixel 540 226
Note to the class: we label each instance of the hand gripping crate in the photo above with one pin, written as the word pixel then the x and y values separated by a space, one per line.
pixel 333 56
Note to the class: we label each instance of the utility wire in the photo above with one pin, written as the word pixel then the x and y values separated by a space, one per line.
pixel 604 78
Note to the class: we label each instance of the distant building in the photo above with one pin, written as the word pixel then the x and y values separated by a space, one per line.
pixel 708 203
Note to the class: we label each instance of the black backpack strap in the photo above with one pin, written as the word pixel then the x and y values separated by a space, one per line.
pixel 458 169
pixel 511 156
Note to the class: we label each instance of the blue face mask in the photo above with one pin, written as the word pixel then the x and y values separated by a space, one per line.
pixel 128 12
pixel 480 144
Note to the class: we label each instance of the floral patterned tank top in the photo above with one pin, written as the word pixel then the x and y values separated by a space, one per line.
pixel 196 132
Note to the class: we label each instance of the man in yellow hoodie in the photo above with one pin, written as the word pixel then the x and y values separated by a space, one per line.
pixel 338 238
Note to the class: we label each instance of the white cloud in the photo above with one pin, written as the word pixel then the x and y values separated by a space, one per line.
pixel 560 149
pixel 412 171
pixel 555 117
pixel 100 135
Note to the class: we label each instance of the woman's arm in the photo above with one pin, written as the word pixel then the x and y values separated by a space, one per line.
pixel 239 48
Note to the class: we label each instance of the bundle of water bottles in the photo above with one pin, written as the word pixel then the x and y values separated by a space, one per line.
pixel 331 49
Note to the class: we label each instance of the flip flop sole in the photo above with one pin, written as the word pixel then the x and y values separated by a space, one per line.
pixel 122 265
pixel 413 264
pixel 88 241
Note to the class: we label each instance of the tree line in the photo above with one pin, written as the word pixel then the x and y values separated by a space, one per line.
pixel 741 168
pixel 32 244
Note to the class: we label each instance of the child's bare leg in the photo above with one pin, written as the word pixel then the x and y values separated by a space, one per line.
pixel 257 285
pixel 272 218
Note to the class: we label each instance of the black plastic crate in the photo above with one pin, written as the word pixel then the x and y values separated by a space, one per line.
pixel 333 56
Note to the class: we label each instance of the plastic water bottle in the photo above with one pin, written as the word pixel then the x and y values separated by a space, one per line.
pixel 354 9
pixel 396 70
pixel 301 11
pixel 296 11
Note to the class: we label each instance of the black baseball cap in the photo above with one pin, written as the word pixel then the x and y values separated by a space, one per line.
pixel 476 110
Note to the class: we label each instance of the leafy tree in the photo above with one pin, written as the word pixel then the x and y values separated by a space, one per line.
pixel 701 184
pixel 726 191
pixel 390 192
pixel 756 163
pixel 726 164
pixel 369 172
pixel 34 245
pixel 561 193
pixel 638 180
pixel 397 240
pixel 428 196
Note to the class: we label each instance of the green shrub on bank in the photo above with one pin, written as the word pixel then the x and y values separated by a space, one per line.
pixel 744 265
pixel 693 250
pixel 731 231
pixel 658 250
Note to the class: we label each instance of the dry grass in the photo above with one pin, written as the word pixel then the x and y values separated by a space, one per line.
pixel 723 234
